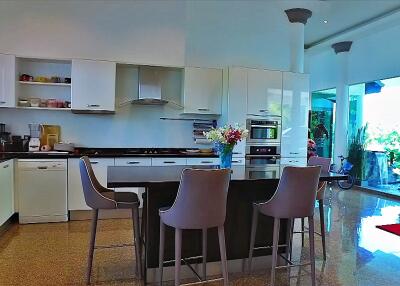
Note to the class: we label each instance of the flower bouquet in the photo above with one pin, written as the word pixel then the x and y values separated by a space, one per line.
pixel 225 138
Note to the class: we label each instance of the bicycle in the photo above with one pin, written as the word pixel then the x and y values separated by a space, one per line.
pixel 345 168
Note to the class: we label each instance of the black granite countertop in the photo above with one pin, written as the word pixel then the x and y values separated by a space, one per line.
pixel 107 153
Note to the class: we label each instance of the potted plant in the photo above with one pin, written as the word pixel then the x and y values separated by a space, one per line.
pixel 357 153
pixel 225 139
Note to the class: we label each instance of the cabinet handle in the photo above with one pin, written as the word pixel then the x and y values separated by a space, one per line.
pixel 42 168
pixel 6 166
pixel 2 102
pixel 294 153
pixel 206 162
pixel 93 105
pixel 236 153
pixel 293 161
pixel 169 162
pixel 263 110
pixel 132 162
pixel 236 161
pixel 94 162
pixel 203 109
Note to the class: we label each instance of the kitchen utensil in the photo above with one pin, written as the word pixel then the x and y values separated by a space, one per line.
pixel 24 103
pixel 35 102
pixel 52 103
pixel 66 147
pixel 51 134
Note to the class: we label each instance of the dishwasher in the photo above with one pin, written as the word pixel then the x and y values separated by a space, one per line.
pixel 42 190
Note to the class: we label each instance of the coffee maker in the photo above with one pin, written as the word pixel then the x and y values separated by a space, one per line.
pixel 35 132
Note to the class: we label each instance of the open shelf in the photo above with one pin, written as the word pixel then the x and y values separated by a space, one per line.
pixel 44 83
pixel 44 108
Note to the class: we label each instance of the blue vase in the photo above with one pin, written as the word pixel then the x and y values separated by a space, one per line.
pixel 225 159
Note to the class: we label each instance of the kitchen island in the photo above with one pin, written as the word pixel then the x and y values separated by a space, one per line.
pixel 161 185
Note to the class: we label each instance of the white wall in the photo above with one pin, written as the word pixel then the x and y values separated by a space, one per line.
pixel 372 57
pixel 164 32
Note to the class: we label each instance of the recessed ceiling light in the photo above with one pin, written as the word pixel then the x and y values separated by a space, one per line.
pixel 325 21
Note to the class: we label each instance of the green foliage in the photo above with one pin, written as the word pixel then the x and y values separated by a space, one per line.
pixel 357 152
pixel 390 141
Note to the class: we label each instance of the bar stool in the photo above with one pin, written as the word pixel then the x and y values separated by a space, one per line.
pixel 294 198
pixel 199 204
pixel 97 197
pixel 325 163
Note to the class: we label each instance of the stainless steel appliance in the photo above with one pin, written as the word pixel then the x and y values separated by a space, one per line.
pixel 262 161
pixel 264 131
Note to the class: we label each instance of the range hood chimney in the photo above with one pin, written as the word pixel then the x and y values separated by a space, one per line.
pixel 150 84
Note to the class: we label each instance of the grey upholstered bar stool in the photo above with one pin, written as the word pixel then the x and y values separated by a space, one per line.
pixel 97 197
pixel 294 198
pixel 325 164
pixel 199 204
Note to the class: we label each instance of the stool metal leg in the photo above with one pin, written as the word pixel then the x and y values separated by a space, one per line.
pixel 289 239
pixel 161 253
pixel 312 250
pixel 222 249
pixel 275 249
pixel 92 244
pixel 322 222
pixel 136 240
pixel 254 222
pixel 178 253
pixel 302 233
pixel 204 249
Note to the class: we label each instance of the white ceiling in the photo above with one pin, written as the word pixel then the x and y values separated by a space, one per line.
pixel 340 14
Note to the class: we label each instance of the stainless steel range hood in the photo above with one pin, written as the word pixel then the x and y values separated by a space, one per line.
pixel 150 87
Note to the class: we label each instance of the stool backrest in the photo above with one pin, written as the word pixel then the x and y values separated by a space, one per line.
pixel 201 199
pixel 325 163
pixel 92 187
pixel 296 193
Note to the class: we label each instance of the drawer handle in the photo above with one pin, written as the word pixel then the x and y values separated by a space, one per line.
pixel 93 105
pixel 6 166
pixel 169 162
pixel 293 161
pixel 2 102
pixel 236 161
pixel 42 168
pixel 203 109
pixel 236 153
pixel 133 162
pixel 206 162
pixel 263 110
pixel 94 162
pixel 294 153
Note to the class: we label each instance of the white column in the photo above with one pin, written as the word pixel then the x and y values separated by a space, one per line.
pixel 297 47
pixel 342 108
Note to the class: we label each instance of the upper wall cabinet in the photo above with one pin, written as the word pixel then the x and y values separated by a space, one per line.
pixel 264 92
pixel 93 86
pixel 7 80
pixel 202 91
pixel 295 106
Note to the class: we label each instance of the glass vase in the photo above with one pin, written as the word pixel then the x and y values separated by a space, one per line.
pixel 225 156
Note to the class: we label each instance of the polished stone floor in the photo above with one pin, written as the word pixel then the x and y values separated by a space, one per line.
pixel 358 253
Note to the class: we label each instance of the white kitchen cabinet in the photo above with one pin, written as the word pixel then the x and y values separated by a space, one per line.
pixel 76 199
pixel 202 90
pixel 7 80
pixel 202 161
pixel 295 109
pixel 133 162
pixel 166 161
pixel 93 85
pixel 238 161
pixel 6 190
pixel 237 104
pixel 295 162
pixel 264 92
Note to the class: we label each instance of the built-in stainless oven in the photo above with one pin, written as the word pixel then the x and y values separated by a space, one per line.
pixel 262 161
pixel 264 131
